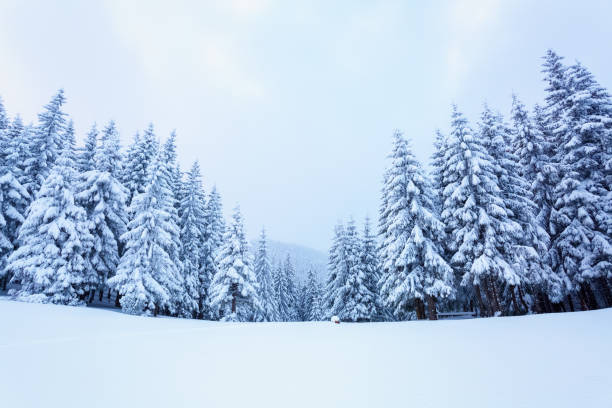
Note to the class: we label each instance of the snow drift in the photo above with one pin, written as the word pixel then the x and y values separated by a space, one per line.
pixel 56 356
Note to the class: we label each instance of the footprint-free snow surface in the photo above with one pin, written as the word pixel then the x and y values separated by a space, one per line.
pixel 56 356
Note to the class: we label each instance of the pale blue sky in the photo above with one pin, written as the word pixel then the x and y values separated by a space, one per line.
pixel 290 105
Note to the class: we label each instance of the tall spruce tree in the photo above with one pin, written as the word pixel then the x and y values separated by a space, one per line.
pixel 14 198
pixel 281 294
pixel 370 265
pixel 411 233
pixel 313 297
pixel 193 229
pixel 337 273
pixel 147 278
pixel 263 272
pixel 46 142
pixel 476 215
pixel 520 246
pixel 234 289
pixel 533 150
pixel 100 193
pixel 186 297
pixel 85 157
pixel 140 155
pixel 355 300
pixel 580 223
pixel 51 264
pixel 291 290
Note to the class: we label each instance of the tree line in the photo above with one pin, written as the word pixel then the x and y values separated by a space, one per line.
pixel 513 218
pixel 79 223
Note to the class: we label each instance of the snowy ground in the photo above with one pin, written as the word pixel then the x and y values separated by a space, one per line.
pixel 55 356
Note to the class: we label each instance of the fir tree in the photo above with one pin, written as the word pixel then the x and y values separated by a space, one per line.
pixel 313 298
pixel 283 302
pixel 147 278
pixel 85 158
pixel 140 156
pixel 107 157
pixel 533 149
pixel 51 263
pixel 192 223
pixel 46 142
pixel 355 301
pixel 234 289
pixel 580 223
pixel 520 247
pixel 263 272
pixel 370 267
pixel 337 270
pixel 291 291
pixel 13 202
pixel 104 198
pixel 411 253
pixel 186 297
pixel 475 213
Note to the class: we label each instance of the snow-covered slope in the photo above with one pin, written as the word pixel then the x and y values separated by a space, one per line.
pixel 303 258
pixel 56 356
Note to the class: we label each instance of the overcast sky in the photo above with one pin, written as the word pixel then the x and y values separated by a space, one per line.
pixel 290 105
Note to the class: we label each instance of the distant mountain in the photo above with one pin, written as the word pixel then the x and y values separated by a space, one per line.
pixel 303 258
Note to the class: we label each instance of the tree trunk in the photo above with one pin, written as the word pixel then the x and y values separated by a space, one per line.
pixel 548 307
pixel 418 308
pixel 5 282
pixel 514 302
pixel 570 302
pixel 584 304
pixel 522 300
pixel 117 299
pixel 495 293
pixel 604 289
pixel 431 306
pixel 590 297
pixel 480 302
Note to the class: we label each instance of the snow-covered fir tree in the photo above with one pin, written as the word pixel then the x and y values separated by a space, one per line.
pixel 581 119
pixel 16 150
pixel 282 300
pixel 337 273
pixel 193 229
pixel 370 266
pixel 50 264
pixel 476 215
pixel 140 155
pixel 4 119
pixel 214 219
pixel 14 200
pixel 519 247
pixel 104 198
pixel 291 290
pixel 355 300
pixel 187 297
pixel 313 298
pixel 46 142
pixel 147 278
pixel 263 272
pixel 412 256
pixel 533 151
pixel 234 290
pixel 214 229
pixel 86 153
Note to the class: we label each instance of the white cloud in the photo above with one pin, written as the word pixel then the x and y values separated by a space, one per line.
pixel 188 39
pixel 469 21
